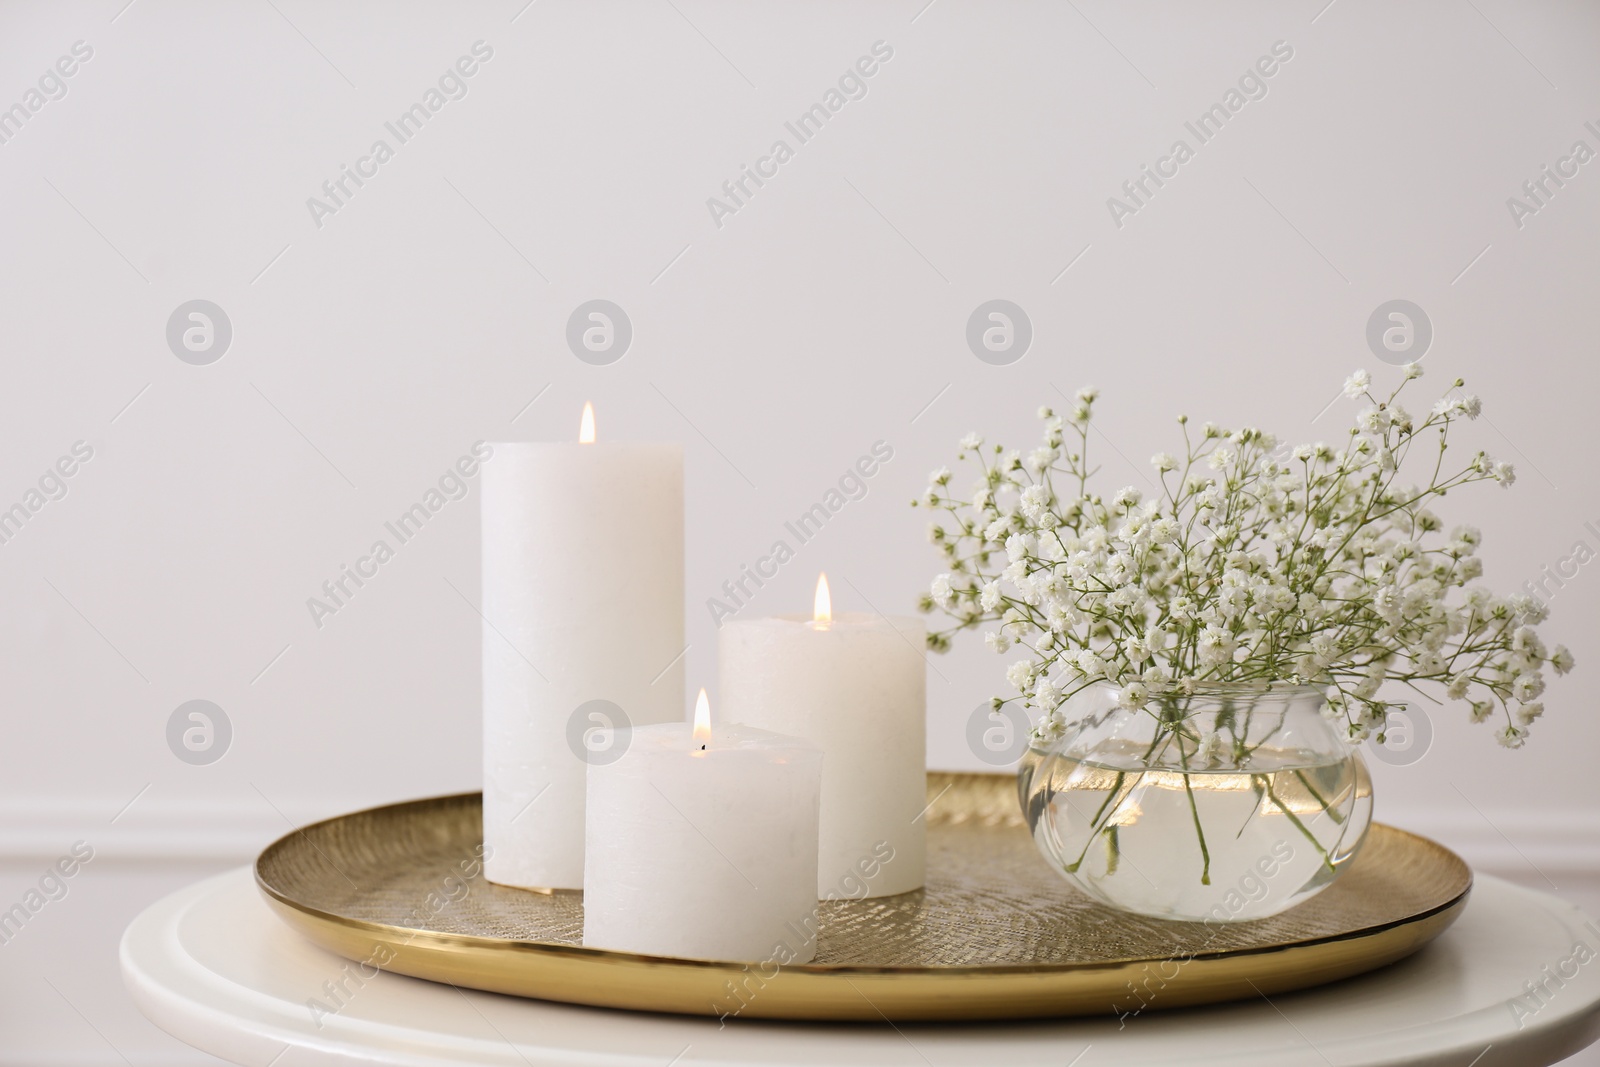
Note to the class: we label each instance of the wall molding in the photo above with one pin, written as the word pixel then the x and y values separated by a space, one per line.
pixel 1516 842
pixel 153 832
pixel 1513 841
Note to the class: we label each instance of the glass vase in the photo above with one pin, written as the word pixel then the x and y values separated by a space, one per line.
pixel 1232 803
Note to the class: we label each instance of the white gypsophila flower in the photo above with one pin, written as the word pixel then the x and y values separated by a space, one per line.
pixel 1020 674
pixel 1091 665
pixel 1412 370
pixel 1529 712
pixel 1133 695
pixel 1527 686
pixel 1039 460
pixel 1034 500
pixel 997 641
pixel 1335 571
pixel 1216 646
pixel 1374 421
pixel 1513 736
pixel 989 599
pixel 1525 639
pixel 1429 663
pixel 1049 729
pixel 1357 384
pixel 971 443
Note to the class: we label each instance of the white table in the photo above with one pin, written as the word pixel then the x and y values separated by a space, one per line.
pixel 212 966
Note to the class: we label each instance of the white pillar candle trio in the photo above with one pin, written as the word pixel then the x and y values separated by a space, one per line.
pixel 708 841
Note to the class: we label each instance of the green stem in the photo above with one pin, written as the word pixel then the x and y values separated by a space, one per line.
pixel 1248 819
pixel 1095 825
pixel 1302 827
pixel 1327 809
pixel 1194 811
pixel 1116 795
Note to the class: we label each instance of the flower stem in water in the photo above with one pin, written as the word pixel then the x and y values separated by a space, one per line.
pixel 1326 807
pixel 1194 811
pixel 1205 853
pixel 1095 824
pixel 1302 827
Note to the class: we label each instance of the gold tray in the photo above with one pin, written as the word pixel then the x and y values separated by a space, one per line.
pixel 996 934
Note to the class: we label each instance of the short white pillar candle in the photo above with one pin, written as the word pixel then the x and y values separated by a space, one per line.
pixel 702 843
pixel 855 686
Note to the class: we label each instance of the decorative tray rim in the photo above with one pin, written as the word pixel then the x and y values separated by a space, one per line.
pixel 484 941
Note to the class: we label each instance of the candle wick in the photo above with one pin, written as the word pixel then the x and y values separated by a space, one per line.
pixel 702 748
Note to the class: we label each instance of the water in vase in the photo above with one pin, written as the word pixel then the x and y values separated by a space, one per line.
pixel 1220 844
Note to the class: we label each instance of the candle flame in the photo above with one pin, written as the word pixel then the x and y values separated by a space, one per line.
pixel 822 606
pixel 702 719
pixel 586 427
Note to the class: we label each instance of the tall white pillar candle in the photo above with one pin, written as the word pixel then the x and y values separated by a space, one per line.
pixel 702 843
pixel 582 616
pixel 854 686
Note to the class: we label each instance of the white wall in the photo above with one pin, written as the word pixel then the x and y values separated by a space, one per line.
pixel 828 313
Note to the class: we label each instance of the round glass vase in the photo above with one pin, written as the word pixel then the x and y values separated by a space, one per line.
pixel 1230 804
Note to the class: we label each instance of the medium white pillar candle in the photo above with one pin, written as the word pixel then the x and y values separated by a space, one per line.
pixel 702 843
pixel 582 602
pixel 854 686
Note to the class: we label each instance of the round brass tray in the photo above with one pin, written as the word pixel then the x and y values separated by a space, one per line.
pixel 994 935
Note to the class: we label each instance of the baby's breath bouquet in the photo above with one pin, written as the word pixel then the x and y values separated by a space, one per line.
pixel 1321 565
